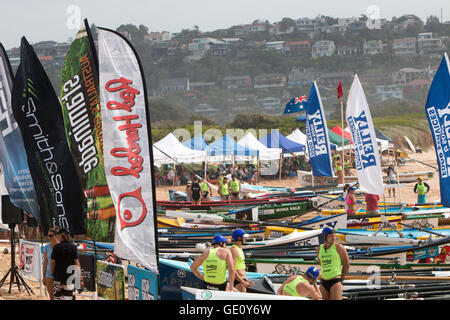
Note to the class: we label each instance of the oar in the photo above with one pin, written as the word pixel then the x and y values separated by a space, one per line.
pixel 423 230
pixel 362 277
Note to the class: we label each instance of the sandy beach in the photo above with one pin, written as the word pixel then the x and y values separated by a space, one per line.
pixel 406 195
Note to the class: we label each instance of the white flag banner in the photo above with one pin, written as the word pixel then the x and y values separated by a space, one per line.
pixel 30 259
pixel 127 156
pixel 367 158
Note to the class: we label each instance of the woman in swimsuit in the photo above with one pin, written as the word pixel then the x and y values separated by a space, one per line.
pixel 350 200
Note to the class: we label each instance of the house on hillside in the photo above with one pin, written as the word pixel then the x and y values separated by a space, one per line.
pixel 244 30
pixel 301 79
pixel 416 85
pixel 389 92
pixel 270 103
pixel 372 47
pixel 200 46
pixel 405 75
pixel 237 82
pixel 171 85
pixel 310 26
pixel 323 48
pixel 404 46
pixel 203 87
pixel 333 78
pixel 269 80
pixel 297 48
pixel 275 45
pixel 348 49
pixel 428 44
pixel 154 37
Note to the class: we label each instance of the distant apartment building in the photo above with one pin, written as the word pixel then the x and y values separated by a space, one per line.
pixel 404 46
pixel 412 87
pixel 250 28
pixel 218 48
pixel 158 36
pixel 276 30
pixel 275 45
pixel 237 82
pixel 298 48
pixel 301 79
pixel 270 103
pixel 372 47
pixel 165 48
pixel 347 21
pixel 203 87
pixel 389 92
pixel 173 85
pixel 428 44
pixel 403 25
pixel 200 46
pixel 347 50
pixel 333 78
pixel 323 48
pixel 406 75
pixel 269 80
pixel 310 26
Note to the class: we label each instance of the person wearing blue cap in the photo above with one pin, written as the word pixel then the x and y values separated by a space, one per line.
pixel 334 264
pixel 300 286
pixel 238 236
pixel 215 262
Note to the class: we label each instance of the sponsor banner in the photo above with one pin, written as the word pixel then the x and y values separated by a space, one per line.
pixel 30 259
pixel 438 112
pixel 317 135
pixel 83 126
pixel 425 253
pixel 38 113
pixel 110 280
pixel 17 176
pixel 87 264
pixel 367 158
pixel 127 156
pixel 142 284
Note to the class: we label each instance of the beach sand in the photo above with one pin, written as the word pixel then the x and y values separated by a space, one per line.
pixel 406 195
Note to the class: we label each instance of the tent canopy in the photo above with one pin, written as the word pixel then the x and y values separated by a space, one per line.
pixel 196 143
pixel 276 140
pixel 300 137
pixel 227 146
pixel 337 139
pixel 171 146
pixel 250 141
pixel 338 130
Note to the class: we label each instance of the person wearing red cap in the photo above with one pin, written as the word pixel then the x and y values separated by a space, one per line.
pixel 300 286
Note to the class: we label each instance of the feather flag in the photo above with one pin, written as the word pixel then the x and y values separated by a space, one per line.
pixel 438 112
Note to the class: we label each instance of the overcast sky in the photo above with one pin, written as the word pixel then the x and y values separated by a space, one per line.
pixel 40 20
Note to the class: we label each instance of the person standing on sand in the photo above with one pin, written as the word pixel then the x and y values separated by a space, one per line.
pixel 64 263
pixel 195 192
pixel 391 179
pixel 421 188
pixel 46 266
pixel 334 265
pixel 206 190
pixel 339 171
pixel 350 200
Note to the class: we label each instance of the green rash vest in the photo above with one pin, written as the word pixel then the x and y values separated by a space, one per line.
pixel 214 268
pixel 330 261
pixel 291 287
pixel 234 185
pixel 205 187
pixel 421 189
pixel 240 261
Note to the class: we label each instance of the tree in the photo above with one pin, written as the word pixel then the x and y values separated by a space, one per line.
pixel 286 23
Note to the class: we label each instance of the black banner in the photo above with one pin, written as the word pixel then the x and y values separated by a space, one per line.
pixel 87 264
pixel 38 113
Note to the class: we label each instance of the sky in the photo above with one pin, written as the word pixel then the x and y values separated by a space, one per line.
pixel 40 20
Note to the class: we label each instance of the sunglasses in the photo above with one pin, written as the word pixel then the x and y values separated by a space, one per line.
pixel 51 235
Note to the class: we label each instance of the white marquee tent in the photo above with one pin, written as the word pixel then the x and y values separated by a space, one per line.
pixel 171 146
pixel 250 141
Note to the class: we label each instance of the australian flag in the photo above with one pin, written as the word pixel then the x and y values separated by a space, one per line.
pixel 296 104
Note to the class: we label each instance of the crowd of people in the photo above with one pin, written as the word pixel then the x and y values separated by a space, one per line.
pixel 217 259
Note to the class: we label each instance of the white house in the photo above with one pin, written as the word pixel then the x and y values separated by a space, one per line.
pixel 323 48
